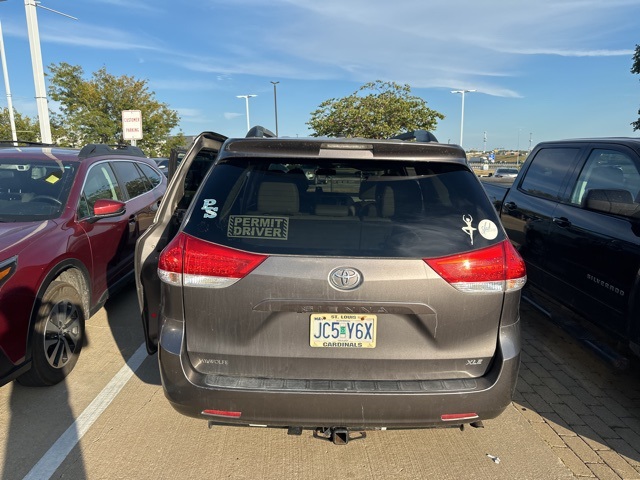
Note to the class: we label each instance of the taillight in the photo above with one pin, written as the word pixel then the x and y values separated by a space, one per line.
pixel 193 262
pixel 494 269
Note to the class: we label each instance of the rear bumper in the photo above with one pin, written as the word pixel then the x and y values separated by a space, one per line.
pixel 322 403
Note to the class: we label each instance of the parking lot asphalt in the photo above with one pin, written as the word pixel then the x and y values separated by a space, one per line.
pixel 573 416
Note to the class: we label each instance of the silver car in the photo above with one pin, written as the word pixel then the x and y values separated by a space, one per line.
pixel 385 296
pixel 506 172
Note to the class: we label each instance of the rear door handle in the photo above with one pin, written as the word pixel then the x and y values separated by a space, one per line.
pixel 562 222
pixel 509 206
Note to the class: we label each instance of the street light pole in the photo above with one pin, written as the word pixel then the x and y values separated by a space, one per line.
pixel 12 120
pixel 275 104
pixel 246 99
pixel 462 115
pixel 38 71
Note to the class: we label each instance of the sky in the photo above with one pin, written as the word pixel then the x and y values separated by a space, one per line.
pixel 541 70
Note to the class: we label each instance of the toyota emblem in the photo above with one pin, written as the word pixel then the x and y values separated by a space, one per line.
pixel 345 278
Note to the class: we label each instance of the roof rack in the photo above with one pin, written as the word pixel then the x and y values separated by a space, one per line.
pixel 260 132
pixel 97 149
pixel 418 136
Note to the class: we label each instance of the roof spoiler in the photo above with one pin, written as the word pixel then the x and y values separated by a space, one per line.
pixel 260 132
pixel 417 135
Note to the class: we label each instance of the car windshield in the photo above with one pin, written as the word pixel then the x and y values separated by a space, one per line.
pixel 33 190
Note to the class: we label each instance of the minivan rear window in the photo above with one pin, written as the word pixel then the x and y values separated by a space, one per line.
pixel 369 208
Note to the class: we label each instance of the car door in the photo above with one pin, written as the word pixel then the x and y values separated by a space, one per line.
pixel 594 253
pixel 184 182
pixel 529 207
pixel 141 204
pixel 107 236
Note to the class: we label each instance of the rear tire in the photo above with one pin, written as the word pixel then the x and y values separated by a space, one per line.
pixel 57 338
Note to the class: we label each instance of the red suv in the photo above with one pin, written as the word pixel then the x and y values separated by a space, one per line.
pixel 69 221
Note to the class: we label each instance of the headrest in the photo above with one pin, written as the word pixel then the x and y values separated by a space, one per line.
pixel 278 197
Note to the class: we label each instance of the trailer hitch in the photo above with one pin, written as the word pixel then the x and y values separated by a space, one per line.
pixel 336 435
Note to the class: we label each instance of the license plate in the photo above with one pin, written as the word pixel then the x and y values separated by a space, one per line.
pixel 342 330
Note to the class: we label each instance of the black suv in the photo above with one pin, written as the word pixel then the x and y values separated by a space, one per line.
pixel 378 292
pixel 573 213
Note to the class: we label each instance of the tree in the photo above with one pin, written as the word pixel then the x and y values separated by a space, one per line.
pixel 636 69
pixel 91 110
pixel 376 110
pixel 27 129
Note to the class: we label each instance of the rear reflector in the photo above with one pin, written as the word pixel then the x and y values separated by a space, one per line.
pixel 498 268
pixel 452 417
pixel 222 413
pixel 189 261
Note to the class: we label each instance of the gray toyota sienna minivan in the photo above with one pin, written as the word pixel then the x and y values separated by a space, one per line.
pixel 379 292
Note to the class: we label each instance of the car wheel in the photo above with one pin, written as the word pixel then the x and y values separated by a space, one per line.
pixel 57 337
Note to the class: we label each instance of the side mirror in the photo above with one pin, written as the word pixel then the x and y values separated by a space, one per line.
pixel 615 201
pixel 106 208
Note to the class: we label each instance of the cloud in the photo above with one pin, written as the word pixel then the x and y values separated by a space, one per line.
pixel 437 44
pixel 128 5
pixel 189 112
pixel 573 53
pixel 90 36
pixel 232 115
pixel 182 85
pixel 440 43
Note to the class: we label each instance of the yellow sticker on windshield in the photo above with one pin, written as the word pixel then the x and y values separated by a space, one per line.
pixel 52 179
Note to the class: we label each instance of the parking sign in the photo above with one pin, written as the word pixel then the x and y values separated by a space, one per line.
pixel 132 125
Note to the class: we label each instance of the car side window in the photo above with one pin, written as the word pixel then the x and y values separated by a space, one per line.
pixel 548 171
pixel 135 182
pixel 610 176
pixel 151 174
pixel 101 183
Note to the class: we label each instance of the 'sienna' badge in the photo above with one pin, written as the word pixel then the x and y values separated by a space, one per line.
pixel 468 219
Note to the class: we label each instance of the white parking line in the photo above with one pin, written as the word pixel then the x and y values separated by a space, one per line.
pixel 54 457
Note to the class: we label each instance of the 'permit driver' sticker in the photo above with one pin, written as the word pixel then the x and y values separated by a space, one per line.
pixel 251 226
pixel 488 229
